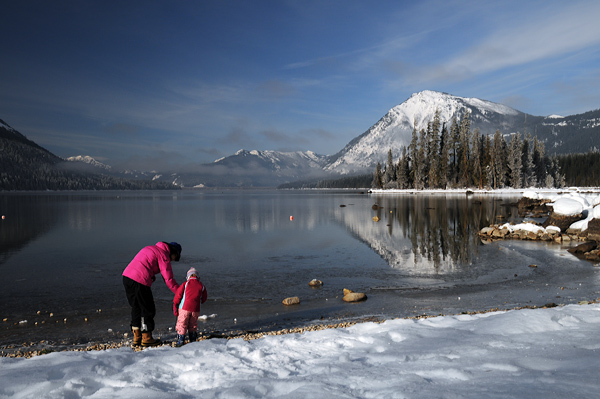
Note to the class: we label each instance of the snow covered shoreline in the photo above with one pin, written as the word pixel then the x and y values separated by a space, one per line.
pixel 504 191
pixel 34 349
pixel 550 353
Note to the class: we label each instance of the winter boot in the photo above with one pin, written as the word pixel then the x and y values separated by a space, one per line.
pixel 180 340
pixel 193 336
pixel 147 339
pixel 137 337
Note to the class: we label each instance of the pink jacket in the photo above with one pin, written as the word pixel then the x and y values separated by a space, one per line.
pixel 150 261
pixel 189 296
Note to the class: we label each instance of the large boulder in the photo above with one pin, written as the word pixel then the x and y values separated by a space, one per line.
pixel 594 230
pixel 583 248
pixel 561 221
pixel 533 207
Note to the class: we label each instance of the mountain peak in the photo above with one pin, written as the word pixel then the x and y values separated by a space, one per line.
pixel 89 160
pixel 394 130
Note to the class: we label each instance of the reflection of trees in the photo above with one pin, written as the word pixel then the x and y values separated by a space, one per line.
pixel 27 217
pixel 430 233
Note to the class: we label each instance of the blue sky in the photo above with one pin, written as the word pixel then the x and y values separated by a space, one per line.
pixel 172 84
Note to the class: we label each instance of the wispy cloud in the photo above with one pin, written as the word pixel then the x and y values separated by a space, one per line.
pixel 549 35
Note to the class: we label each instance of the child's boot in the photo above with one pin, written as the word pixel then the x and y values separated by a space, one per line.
pixel 180 340
pixel 137 337
pixel 193 336
pixel 147 339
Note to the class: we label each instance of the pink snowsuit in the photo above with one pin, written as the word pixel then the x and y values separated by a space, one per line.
pixel 186 305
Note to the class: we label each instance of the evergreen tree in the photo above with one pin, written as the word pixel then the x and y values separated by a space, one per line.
pixel 389 177
pixel 377 177
pixel 463 150
pixel 434 151
pixel 402 174
pixel 497 161
pixel 477 158
pixel 487 160
pixel 515 166
pixel 421 175
pixel 414 157
pixel 444 156
pixel 529 178
pixel 454 139
pixel 539 164
pixel 389 174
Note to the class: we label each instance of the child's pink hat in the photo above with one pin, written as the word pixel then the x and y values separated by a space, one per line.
pixel 190 272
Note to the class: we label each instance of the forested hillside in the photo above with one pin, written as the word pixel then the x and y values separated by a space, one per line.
pixel 24 165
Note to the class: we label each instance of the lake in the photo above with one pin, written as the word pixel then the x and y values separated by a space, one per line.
pixel 62 255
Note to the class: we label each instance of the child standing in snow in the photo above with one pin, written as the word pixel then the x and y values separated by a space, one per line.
pixel 186 306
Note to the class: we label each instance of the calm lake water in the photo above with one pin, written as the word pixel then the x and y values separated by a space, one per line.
pixel 63 254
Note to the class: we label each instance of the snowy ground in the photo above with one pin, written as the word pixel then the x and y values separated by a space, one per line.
pixel 541 353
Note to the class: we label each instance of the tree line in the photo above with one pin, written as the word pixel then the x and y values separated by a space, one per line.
pixel 441 158
pixel 26 166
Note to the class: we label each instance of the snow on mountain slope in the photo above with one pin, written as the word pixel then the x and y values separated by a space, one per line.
pixel 89 160
pixel 3 125
pixel 394 130
pixel 275 160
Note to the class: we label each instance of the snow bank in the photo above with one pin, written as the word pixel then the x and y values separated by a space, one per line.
pixel 525 227
pixel 550 353
pixel 567 207
pixel 572 204
pixel 531 194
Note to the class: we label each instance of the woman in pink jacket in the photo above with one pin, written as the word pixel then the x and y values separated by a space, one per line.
pixel 138 276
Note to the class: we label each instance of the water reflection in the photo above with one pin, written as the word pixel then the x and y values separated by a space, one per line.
pixel 254 213
pixel 427 234
pixel 26 218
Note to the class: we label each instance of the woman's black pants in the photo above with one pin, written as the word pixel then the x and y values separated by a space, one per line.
pixel 142 305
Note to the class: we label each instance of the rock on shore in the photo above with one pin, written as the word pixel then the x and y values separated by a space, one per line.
pixel 568 218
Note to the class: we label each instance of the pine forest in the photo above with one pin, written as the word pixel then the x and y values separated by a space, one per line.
pixel 439 157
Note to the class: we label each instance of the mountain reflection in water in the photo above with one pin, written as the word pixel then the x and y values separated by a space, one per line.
pixel 428 234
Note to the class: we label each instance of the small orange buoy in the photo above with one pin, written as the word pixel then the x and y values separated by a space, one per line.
pixel 291 218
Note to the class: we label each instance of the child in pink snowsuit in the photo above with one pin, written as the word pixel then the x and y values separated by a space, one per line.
pixel 186 306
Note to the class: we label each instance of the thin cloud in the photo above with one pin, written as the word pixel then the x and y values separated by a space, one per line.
pixel 238 136
pixel 545 37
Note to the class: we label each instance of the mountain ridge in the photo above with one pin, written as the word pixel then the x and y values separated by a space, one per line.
pixel 259 168
pixel 394 130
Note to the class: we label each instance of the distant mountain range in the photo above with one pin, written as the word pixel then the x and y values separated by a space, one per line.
pixel 561 135
pixel 24 165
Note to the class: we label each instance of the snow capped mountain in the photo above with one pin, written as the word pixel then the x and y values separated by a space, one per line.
pixel 275 160
pixel 88 160
pixel 394 130
pixel 261 168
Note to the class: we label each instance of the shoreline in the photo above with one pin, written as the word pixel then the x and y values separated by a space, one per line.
pixel 19 351
pixel 500 191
